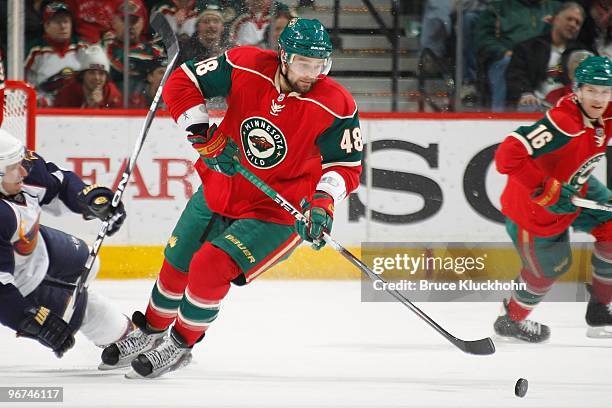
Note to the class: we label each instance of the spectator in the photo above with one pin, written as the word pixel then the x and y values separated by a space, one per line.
pixel 230 9
pixel 501 26
pixel 91 87
pixel 535 72
pixel 604 45
pixel 569 61
pixel 436 27
pixel 182 15
pixel 92 18
pixel 472 9
pixel 208 40
pixel 33 20
pixel 594 31
pixel 141 50
pixel 437 30
pixel 145 89
pixel 52 59
pixel 250 26
pixel 279 22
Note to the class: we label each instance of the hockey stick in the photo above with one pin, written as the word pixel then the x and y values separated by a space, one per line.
pixel 480 347
pixel 161 27
pixel 56 283
pixel 594 205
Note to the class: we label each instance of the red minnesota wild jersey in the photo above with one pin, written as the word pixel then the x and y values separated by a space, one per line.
pixel 289 140
pixel 564 145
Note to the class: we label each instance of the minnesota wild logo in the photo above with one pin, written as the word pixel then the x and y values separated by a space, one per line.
pixel 584 172
pixel 263 143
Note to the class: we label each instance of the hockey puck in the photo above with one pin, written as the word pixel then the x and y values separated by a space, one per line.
pixel 520 389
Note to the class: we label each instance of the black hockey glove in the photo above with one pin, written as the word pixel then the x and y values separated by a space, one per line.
pixel 95 202
pixel 48 328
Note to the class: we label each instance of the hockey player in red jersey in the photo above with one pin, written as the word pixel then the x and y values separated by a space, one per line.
pixel 547 164
pixel 290 125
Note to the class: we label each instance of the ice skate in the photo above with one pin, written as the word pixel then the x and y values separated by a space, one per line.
pixel 599 318
pixel 170 355
pixel 525 330
pixel 120 354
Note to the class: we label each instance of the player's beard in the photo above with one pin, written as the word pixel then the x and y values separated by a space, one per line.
pixel 301 87
pixel 297 85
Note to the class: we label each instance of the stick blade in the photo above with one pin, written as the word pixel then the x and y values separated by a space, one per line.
pixel 161 26
pixel 482 347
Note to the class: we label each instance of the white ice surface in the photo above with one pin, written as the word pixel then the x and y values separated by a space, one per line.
pixel 315 344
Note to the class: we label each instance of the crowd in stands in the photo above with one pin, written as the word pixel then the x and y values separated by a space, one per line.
pixel 517 54
pixel 521 53
pixel 76 48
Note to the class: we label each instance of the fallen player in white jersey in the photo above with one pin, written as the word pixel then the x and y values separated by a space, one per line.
pixel 37 263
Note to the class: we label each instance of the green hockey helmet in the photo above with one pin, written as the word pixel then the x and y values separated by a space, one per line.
pixel 594 70
pixel 307 38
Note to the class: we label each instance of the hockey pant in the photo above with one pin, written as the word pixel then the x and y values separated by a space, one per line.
pixel 94 316
pixel 545 259
pixel 204 255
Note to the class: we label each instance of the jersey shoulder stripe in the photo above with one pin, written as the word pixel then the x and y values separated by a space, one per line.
pixel 541 137
pixel 332 97
pixel 262 63
pixel 566 116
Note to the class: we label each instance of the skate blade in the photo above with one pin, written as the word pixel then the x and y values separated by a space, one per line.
pixel 507 339
pixel 599 332
pixel 133 375
pixel 515 340
pixel 106 367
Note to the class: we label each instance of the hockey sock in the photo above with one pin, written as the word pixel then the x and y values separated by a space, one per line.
pixel 602 272
pixel 516 311
pixel 103 323
pixel 166 297
pixel 210 274
pixel 524 301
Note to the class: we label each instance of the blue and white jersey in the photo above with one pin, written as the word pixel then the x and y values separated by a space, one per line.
pixel 24 258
